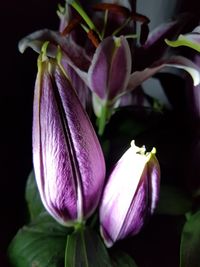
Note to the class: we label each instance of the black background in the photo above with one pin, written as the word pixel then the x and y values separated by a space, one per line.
pixel 17 76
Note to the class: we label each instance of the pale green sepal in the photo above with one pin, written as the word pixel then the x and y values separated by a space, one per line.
pixel 183 41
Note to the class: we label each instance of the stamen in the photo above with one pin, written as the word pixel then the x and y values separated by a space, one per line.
pixel 73 23
pixel 131 36
pixel 91 35
pixel 93 38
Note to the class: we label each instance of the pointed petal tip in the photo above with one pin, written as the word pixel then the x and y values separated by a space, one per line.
pixel 107 240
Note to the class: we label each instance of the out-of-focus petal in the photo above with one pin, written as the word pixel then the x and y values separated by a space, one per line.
pixel 124 3
pixel 179 62
pixel 155 46
pixel 76 54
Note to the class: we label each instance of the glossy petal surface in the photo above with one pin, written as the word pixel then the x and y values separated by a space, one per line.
pixel 68 160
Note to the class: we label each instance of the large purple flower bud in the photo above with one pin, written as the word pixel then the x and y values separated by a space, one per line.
pixel 130 195
pixel 68 160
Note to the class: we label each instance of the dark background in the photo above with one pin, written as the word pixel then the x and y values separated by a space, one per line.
pixel 17 75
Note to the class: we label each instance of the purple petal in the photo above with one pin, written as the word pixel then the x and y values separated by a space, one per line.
pixel 145 200
pixel 154 183
pixel 49 154
pixel 155 46
pixel 193 98
pixel 137 213
pixel 120 69
pixel 88 151
pixel 110 68
pixel 179 62
pixel 159 33
pixel 99 69
pixel 79 83
pixel 118 195
pixel 75 53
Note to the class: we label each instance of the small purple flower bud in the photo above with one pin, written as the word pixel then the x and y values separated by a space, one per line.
pixel 110 68
pixel 68 160
pixel 131 194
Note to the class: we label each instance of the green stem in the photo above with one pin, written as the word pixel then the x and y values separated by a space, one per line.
pixel 79 226
pixel 102 120
pixel 67 250
pixel 84 247
pixel 79 229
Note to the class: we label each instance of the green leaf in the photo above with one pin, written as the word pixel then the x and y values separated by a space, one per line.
pixel 173 201
pixel 40 244
pixel 32 196
pixel 190 242
pixel 85 249
pixel 121 259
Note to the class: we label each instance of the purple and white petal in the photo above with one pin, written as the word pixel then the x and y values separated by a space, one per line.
pixel 110 68
pixel 68 160
pixel 126 201
pixel 179 62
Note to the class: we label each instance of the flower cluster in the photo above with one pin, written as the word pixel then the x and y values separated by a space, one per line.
pixel 69 163
pixel 102 56
pixel 92 61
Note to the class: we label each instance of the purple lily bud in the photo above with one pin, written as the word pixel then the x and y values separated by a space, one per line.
pixel 130 195
pixel 110 68
pixel 68 160
pixel 108 77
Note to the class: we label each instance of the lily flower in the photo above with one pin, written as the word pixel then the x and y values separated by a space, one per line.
pixel 68 160
pixel 130 195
